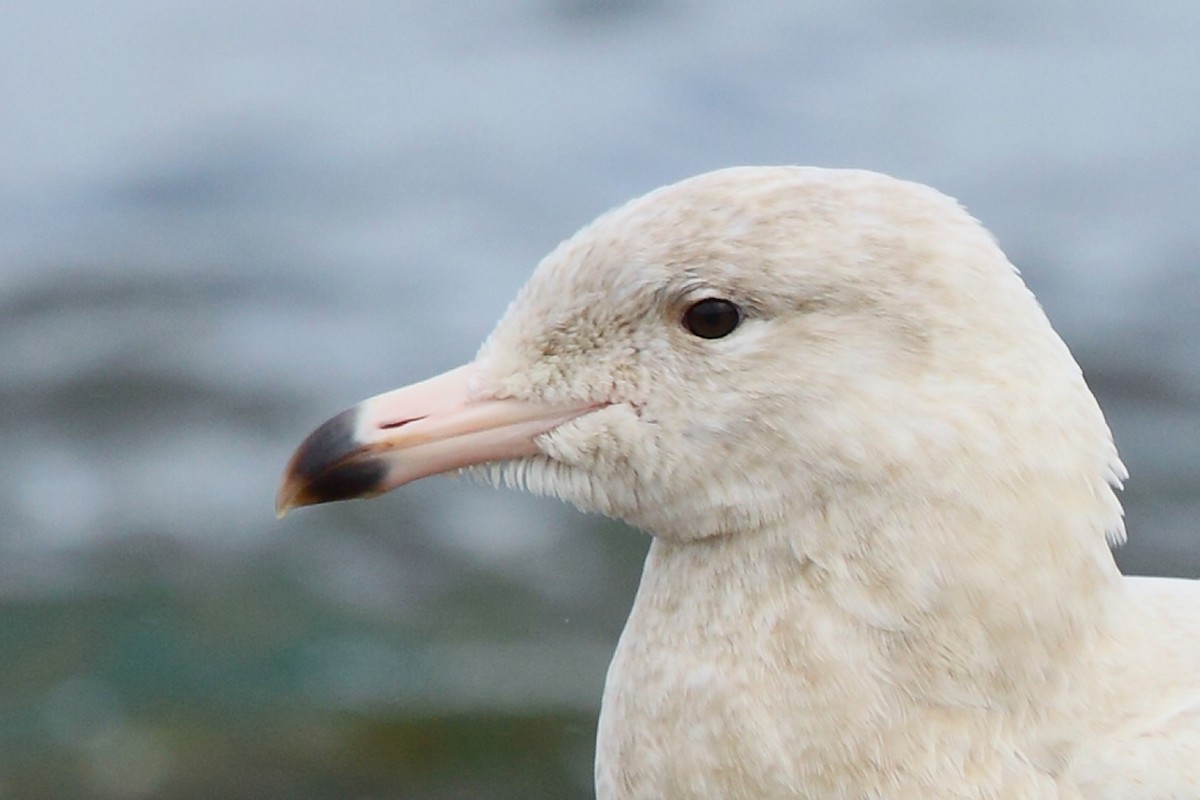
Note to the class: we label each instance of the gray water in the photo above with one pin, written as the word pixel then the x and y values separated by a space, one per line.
pixel 222 221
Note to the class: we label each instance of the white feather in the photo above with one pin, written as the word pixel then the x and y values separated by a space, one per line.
pixel 881 507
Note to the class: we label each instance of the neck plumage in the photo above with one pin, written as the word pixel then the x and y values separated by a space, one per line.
pixel 954 591
pixel 852 623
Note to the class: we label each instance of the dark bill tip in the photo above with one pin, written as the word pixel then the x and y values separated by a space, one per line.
pixel 343 482
pixel 323 468
pixel 326 446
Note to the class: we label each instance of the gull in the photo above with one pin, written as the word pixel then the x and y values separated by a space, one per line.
pixel 881 498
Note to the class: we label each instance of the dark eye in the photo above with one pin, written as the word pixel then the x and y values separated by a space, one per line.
pixel 712 318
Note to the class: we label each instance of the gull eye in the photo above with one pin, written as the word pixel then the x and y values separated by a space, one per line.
pixel 712 318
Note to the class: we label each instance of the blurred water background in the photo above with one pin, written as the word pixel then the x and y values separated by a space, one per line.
pixel 222 221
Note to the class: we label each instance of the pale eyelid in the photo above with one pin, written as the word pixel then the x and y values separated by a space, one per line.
pixel 675 299
pixel 680 301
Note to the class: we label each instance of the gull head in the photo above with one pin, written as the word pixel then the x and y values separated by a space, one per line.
pixel 745 347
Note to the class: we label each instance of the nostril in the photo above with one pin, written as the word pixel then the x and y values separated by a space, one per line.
pixel 387 426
